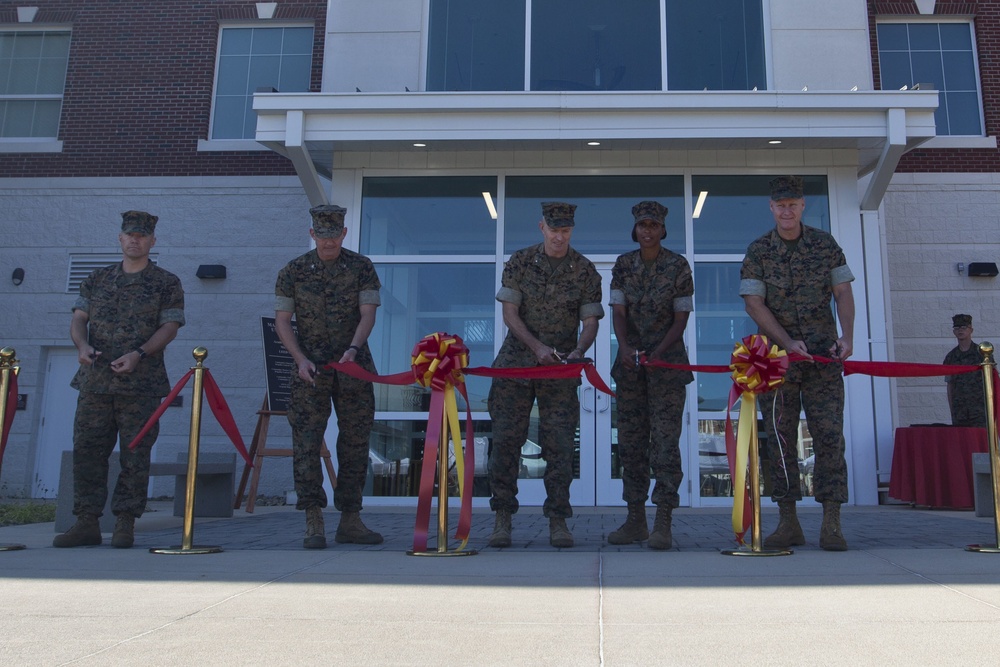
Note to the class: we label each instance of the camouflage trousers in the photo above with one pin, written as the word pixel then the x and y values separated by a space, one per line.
pixel 308 413
pixel 650 408
pixel 100 421
pixel 510 406
pixel 820 390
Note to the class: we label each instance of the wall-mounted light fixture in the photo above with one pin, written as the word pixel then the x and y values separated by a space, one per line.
pixel 211 271
pixel 18 276
pixel 983 269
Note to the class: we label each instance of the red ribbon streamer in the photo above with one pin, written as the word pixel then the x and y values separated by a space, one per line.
pixel 8 415
pixel 874 368
pixel 553 372
pixel 355 371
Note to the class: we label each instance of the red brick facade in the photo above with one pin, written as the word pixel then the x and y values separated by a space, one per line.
pixel 986 20
pixel 139 84
pixel 138 93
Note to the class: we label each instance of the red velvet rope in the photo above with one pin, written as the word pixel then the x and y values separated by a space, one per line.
pixel 217 403
pixel 8 415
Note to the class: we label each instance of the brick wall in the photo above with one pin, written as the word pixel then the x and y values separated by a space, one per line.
pixel 986 19
pixel 138 92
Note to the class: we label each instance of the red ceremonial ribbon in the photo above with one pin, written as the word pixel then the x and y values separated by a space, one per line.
pixel 8 415
pixel 215 401
pixel 756 368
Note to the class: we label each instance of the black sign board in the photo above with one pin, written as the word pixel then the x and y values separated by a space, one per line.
pixel 278 366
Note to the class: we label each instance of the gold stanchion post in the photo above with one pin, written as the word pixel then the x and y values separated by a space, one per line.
pixel 187 539
pixel 8 365
pixel 442 475
pixel 988 365
pixel 756 544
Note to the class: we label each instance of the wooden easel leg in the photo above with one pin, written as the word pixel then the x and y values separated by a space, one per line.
pixel 262 421
pixel 325 454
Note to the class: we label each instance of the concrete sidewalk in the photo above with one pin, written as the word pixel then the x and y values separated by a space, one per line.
pixel 906 593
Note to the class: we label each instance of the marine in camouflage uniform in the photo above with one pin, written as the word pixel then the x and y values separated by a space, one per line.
pixel 333 293
pixel 966 392
pixel 546 291
pixel 651 299
pixel 789 277
pixel 125 316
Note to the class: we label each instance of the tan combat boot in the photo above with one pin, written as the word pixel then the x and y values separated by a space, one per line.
pixel 789 532
pixel 830 537
pixel 501 530
pixel 634 529
pixel 352 531
pixel 559 535
pixel 315 529
pixel 661 537
pixel 86 532
pixel 124 535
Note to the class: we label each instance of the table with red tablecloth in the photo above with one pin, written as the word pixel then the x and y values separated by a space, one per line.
pixel 932 465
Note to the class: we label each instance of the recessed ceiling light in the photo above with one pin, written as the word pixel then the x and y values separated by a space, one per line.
pixel 774 142
pixel 702 196
pixel 593 143
pixel 420 145
pixel 490 206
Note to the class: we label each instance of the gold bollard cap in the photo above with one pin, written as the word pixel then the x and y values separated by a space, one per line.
pixel 200 354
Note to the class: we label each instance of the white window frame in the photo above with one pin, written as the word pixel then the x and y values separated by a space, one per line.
pixel 951 140
pixel 215 145
pixel 36 144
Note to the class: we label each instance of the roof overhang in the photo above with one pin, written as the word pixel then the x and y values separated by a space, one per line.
pixel 880 126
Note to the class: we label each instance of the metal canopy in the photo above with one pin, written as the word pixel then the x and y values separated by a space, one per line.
pixel 880 126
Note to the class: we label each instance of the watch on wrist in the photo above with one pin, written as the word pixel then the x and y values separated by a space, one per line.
pixel 141 352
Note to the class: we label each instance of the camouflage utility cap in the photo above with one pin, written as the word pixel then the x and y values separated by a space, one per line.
pixel 328 220
pixel 786 187
pixel 558 214
pixel 649 210
pixel 961 321
pixel 138 222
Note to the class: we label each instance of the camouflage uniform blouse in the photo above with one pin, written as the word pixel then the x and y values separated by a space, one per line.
pixel 124 311
pixel 326 298
pixel 651 297
pixel 550 303
pixel 968 396
pixel 797 283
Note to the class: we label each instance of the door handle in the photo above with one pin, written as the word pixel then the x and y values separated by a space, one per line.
pixel 584 401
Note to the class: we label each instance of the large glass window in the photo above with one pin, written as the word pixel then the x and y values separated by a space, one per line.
pixel 32 79
pixel 603 214
pixel 721 321
pixel 732 211
pixel 428 216
pixel 422 299
pixel 715 45
pixel 595 45
pixel 446 220
pixel 941 54
pixel 476 45
pixel 396 458
pixel 254 58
